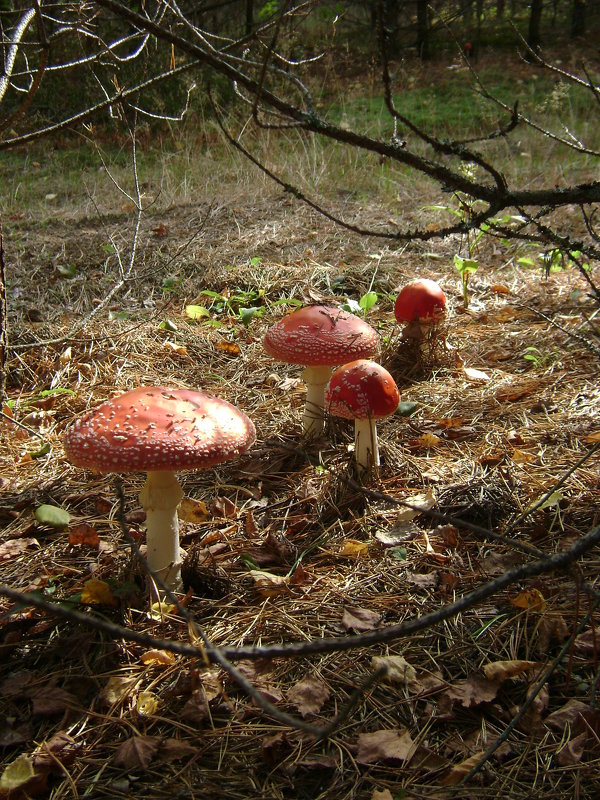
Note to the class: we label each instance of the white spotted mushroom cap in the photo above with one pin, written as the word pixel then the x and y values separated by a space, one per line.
pixel 362 389
pixel 156 429
pixel 320 336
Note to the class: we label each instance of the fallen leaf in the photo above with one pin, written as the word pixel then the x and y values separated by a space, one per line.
pixel 52 700
pixel 137 753
pixel 58 752
pixel 360 619
pixel 173 347
pixel 424 441
pixel 592 437
pixel 20 780
pixel 275 748
pixel 116 690
pixel 573 750
pixel 147 704
pixel 383 794
pixel 269 584
pixel 571 714
pixel 231 348
pixel 97 592
pixel 424 501
pixel 500 288
pixel 308 695
pixel 398 534
pixel 502 670
pixel 172 749
pixel 163 657
pixel 522 457
pixel 385 745
pixel 194 511
pixel 52 516
pixel 529 599
pixel 458 771
pixel 16 547
pixel 84 534
pixel 196 312
pixel 531 720
pixel 428 580
pixel 354 548
pixel 473 691
pixel 397 669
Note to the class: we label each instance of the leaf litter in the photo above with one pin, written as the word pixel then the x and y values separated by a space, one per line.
pixel 487 439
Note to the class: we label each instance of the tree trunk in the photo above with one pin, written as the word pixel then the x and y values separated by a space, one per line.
pixel 390 9
pixel 249 17
pixel 578 18
pixel 423 30
pixel 534 39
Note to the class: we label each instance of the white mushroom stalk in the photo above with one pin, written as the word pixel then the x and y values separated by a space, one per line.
pixel 366 444
pixel 316 380
pixel 160 497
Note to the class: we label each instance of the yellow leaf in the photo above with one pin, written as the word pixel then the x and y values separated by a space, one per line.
pixel 501 670
pixel 160 609
pixel 193 511
pixel 96 592
pixel 529 599
pixel 352 547
pixel 458 771
pixel 17 773
pixel 521 457
pixel 425 440
pixel 157 657
pixel 231 348
pixel 147 704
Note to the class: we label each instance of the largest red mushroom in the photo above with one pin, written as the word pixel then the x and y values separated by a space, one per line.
pixel 157 431
pixel 319 337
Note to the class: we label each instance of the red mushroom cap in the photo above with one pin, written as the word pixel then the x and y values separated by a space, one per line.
pixel 420 300
pixel 154 429
pixel 320 336
pixel 362 390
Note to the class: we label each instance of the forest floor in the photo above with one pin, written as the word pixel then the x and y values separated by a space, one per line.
pixel 285 544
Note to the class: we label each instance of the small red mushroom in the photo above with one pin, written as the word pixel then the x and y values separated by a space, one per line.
pixel 319 337
pixel 157 431
pixel 420 305
pixel 365 392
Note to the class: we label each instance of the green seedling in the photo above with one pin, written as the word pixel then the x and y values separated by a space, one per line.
pixel 537 357
pixel 466 267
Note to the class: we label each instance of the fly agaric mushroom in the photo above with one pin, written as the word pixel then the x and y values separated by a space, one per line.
pixel 422 305
pixel 319 337
pixel 157 431
pixel 365 392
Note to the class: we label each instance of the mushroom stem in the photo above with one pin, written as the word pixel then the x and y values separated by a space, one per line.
pixel 160 496
pixel 316 380
pixel 366 447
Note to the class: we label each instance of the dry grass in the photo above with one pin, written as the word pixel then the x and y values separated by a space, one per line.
pixel 501 443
